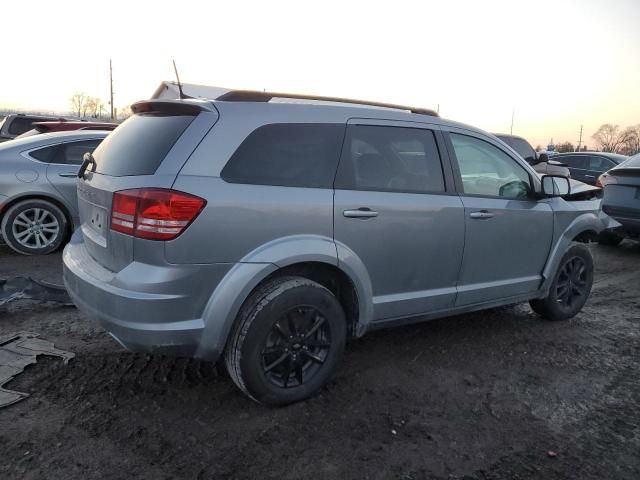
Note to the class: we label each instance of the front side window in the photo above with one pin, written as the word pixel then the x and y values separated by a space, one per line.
pixel 390 159
pixel 488 171
pixel 600 164
pixel 288 155
pixel 575 161
pixel 71 153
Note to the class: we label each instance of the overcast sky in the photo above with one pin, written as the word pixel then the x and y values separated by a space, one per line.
pixel 559 63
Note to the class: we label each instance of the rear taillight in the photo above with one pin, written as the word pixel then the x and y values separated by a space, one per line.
pixel 154 213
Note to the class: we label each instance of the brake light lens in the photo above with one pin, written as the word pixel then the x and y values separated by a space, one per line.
pixel 154 213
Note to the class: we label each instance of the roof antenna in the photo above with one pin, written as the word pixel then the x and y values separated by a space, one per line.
pixel 182 95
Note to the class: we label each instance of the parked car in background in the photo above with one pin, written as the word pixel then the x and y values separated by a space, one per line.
pixel 539 161
pixel 269 232
pixel 588 166
pixel 67 125
pixel 19 123
pixel 621 200
pixel 38 200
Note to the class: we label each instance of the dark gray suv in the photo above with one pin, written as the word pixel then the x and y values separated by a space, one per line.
pixel 268 229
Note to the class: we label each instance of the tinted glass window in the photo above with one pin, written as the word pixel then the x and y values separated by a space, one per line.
pixel 521 146
pixel 287 154
pixel 575 161
pixel 71 153
pixel 20 125
pixel 390 159
pixel 45 154
pixel 487 170
pixel 600 164
pixel 138 146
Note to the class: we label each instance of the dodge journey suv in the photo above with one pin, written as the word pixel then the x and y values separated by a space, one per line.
pixel 267 229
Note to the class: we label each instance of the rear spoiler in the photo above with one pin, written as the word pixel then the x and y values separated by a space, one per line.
pixel 173 107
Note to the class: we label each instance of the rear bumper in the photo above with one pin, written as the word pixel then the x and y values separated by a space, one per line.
pixel 141 310
pixel 629 219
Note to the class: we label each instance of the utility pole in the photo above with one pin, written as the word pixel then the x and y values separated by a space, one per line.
pixel 111 87
pixel 513 112
pixel 438 110
pixel 580 141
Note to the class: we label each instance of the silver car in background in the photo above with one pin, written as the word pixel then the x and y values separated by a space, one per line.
pixel 621 200
pixel 38 199
pixel 268 232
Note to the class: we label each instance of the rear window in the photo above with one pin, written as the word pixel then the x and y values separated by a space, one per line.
pixel 20 125
pixel 139 145
pixel 288 155
pixel 521 146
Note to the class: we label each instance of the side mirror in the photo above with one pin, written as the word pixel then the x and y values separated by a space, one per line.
pixel 555 186
pixel 532 160
pixel 543 157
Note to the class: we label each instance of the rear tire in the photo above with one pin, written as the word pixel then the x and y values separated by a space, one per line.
pixel 34 227
pixel 609 239
pixel 288 340
pixel 570 288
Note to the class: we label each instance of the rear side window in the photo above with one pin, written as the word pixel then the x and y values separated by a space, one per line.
pixel 71 153
pixel 390 159
pixel 138 146
pixel 288 155
pixel 45 154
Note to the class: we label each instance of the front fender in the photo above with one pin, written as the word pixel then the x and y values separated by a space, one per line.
pixel 570 220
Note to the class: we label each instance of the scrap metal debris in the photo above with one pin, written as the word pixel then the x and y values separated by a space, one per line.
pixel 17 352
pixel 18 288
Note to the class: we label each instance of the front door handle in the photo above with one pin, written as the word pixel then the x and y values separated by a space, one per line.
pixel 481 215
pixel 68 175
pixel 361 212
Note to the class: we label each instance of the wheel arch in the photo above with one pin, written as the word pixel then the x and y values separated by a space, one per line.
pixel 40 196
pixel 309 256
pixel 582 228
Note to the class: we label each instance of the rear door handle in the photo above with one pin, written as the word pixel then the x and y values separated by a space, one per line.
pixel 481 215
pixel 360 213
pixel 68 175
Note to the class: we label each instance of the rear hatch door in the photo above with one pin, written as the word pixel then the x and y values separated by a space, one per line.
pixel 147 150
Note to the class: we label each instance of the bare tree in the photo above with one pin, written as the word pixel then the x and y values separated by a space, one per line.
pixel 631 140
pixel 609 138
pixel 78 101
pixel 125 112
pixel 94 106
pixel 565 147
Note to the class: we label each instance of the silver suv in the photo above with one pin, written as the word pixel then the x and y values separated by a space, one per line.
pixel 269 230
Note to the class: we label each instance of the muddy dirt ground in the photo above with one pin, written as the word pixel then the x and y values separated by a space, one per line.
pixel 478 396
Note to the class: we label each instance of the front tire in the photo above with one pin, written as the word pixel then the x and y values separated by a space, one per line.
pixel 288 340
pixel 34 227
pixel 570 288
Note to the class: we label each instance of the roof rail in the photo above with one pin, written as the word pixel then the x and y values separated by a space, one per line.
pixel 256 96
